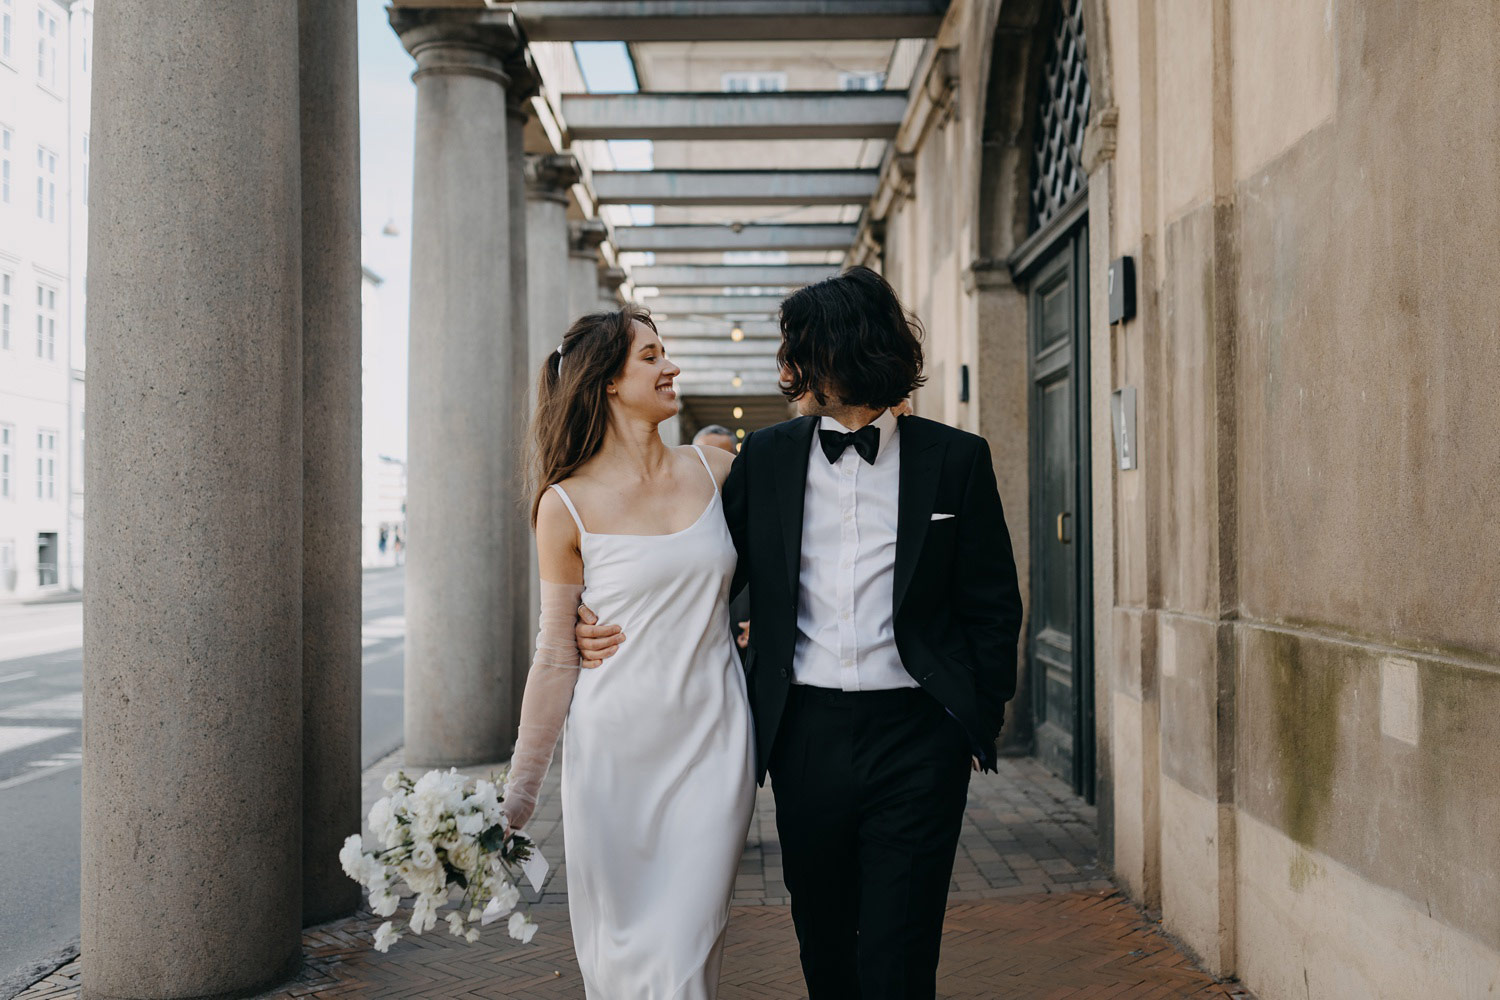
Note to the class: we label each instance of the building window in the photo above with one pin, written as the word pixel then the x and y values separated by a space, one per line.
pixel 754 83
pixel 88 41
pixel 7 461
pixel 5 141
pixel 872 80
pixel 46 48
pixel 7 9
pixel 46 465
pixel 46 559
pixel 46 322
pixel 46 184
pixel 6 279
pixel 85 168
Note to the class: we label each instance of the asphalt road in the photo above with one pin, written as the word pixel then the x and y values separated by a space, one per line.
pixel 41 699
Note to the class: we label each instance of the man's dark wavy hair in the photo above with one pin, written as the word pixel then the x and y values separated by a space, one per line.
pixel 849 336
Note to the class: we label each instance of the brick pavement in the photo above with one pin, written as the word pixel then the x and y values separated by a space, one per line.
pixel 1030 916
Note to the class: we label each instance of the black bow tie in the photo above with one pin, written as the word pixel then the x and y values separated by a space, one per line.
pixel 866 441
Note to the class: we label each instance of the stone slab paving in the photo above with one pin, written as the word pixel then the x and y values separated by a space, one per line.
pixel 1030 915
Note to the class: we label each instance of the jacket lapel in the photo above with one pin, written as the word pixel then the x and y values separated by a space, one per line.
pixel 921 460
pixel 794 442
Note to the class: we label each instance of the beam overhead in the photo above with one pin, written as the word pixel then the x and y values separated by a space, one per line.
pixel 712 238
pixel 710 276
pixel 818 114
pixel 749 306
pixel 727 20
pixel 735 187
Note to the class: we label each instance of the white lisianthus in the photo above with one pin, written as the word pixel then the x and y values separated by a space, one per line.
pixel 385 936
pixel 470 824
pixel 473 935
pixel 521 928
pixel 384 903
pixel 508 896
pixel 456 924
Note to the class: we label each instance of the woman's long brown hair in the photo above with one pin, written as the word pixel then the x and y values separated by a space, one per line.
pixel 572 409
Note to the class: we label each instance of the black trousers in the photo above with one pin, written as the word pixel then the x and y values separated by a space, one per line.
pixel 870 790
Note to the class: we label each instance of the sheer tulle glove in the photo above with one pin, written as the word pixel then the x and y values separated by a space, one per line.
pixel 548 695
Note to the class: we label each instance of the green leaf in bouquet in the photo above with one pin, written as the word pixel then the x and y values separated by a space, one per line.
pixel 454 875
pixel 493 839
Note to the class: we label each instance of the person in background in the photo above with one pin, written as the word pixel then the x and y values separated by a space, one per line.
pixel 716 436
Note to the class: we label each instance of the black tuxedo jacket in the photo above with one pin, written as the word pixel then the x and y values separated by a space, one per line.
pixel 958 608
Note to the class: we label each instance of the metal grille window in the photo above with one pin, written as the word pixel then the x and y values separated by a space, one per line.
pixel 1062 115
pixel 5 141
pixel 871 80
pixel 7 10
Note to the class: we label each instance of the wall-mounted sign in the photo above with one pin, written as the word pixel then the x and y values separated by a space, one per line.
pixel 1122 409
pixel 1121 290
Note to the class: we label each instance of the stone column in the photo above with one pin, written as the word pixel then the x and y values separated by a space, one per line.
pixel 331 482
pixel 548 178
pixel 610 279
pixel 463 410
pixel 584 239
pixel 525 80
pixel 192 775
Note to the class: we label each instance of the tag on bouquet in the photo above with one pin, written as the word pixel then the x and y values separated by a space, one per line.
pixel 491 913
pixel 535 869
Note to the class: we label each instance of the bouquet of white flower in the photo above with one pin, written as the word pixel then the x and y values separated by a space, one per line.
pixel 441 833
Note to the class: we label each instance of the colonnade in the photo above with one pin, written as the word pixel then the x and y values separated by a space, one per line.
pixel 222 620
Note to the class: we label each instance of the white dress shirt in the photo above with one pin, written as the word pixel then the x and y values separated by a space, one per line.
pixel 846 636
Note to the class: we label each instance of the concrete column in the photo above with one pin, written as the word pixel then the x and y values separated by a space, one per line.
pixel 548 178
pixel 331 482
pixel 610 279
pixel 525 80
pixel 192 776
pixel 584 239
pixel 464 414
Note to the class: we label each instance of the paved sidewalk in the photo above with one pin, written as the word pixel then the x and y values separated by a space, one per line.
pixel 1030 916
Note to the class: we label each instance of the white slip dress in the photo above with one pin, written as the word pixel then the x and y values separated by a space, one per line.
pixel 657 768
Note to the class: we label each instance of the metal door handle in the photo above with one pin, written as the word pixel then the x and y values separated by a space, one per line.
pixel 1062 528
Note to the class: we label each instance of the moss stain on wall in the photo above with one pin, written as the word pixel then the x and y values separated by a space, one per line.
pixel 1306 682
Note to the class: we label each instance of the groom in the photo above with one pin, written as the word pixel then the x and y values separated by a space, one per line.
pixel 885 615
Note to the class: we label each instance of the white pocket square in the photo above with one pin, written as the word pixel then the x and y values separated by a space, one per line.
pixel 940 517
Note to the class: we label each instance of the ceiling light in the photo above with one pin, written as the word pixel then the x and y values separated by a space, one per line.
pixel 740 433
pixel 736 381
pixel 739 411
pixel 736 334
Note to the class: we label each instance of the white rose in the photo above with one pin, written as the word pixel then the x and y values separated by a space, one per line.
pixel 392 781
pixel 385 936
pixel 521 928
pixel 465 857
pixel 423 855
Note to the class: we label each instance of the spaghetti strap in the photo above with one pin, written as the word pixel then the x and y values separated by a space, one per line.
pixel 704 459
pixel 571 509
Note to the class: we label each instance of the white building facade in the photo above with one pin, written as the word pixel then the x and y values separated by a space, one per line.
pixel 45 55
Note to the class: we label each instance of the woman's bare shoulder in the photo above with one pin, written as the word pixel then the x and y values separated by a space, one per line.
pixel 719 460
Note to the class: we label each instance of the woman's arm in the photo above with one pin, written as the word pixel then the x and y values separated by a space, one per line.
pixel 554 668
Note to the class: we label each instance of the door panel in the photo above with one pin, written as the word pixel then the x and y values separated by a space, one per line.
pixel 1058 650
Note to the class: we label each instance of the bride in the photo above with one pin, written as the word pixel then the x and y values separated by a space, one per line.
pixel 658 774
